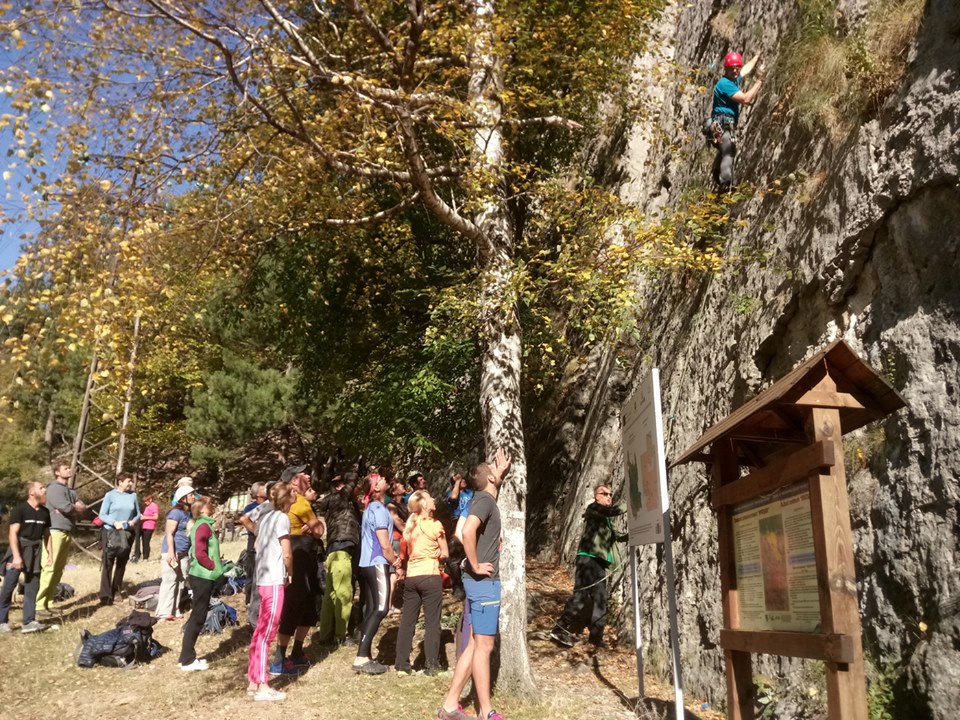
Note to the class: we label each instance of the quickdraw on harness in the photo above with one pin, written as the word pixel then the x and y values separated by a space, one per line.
pixel 721 123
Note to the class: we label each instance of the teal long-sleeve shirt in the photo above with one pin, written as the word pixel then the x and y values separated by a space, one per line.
pixel 119 507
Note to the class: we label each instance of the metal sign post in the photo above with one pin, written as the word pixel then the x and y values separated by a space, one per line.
pixel 648 502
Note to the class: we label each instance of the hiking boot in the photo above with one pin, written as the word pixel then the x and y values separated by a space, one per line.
pixel 195 666
pixel 370 667
pixel 457 714
pixel 5 628
pixel 287 667
pixel 32 627
pixel 562 637
pixel 300 660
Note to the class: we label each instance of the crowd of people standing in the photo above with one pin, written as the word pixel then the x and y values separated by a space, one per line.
pixel 379 532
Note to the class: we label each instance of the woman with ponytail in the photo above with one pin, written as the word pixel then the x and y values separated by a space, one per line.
pixel 427 548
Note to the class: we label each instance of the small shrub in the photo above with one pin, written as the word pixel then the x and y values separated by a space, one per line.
pixel 725 23
pixel 835 77
pixel 880 682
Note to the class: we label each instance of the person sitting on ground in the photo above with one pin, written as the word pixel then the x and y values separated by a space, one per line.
pixel 273 574
pixel 120 513
pixel 206 567
pixel 426 549
pixel 587 607
pixel 728 96
pixel 65 509
pixel 29 530
pixel 175 555
pixel 376 555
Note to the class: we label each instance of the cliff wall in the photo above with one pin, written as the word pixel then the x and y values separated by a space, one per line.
pixel 855 234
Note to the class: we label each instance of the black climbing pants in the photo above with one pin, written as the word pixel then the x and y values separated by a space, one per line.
pixel 587 607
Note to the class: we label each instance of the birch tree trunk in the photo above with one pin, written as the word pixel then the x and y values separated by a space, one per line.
pixel 501 349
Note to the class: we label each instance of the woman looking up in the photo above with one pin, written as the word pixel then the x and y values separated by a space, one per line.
pixel 273 574
pixel 120 513
pixel 376 556
pixel 205 568
pixel 427 547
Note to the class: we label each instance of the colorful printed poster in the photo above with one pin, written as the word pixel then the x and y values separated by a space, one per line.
pixel 644 462
pixel 776 562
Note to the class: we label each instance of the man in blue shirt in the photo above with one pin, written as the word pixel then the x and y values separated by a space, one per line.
pixel 728 96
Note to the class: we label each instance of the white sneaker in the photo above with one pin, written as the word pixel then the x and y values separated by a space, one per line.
pixel 5 628
pixel 269 695
pixel 194 666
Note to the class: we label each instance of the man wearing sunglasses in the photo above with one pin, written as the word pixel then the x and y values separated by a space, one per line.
pixel 587 607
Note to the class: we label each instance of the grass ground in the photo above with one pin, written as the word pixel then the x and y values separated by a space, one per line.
pixel 40 679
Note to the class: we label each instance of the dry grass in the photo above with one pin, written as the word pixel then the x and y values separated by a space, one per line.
pixel 834 80
pixel 724 24
pixel 40 678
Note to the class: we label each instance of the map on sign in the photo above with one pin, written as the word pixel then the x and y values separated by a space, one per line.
pixel 776 563
pixel 643 461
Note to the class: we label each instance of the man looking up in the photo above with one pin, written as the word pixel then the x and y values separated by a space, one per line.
pixel 587 607
pixel 65 507
pixel 343 536
pixel 481 581
pixel 727 99
pixel 258 495
pixel 29 528
pixel 299 612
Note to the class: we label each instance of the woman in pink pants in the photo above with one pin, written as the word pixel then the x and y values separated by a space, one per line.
pixel 274 567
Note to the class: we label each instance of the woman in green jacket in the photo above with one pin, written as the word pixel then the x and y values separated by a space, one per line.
pixel 205 568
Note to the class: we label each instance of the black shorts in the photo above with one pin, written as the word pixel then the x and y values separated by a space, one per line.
pixel 300 601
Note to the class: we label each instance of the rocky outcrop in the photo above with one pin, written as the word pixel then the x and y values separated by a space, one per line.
pixel 860 239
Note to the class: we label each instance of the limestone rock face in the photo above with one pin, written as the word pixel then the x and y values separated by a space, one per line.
pixel 861 241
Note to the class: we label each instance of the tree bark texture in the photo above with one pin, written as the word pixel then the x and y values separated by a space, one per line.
pixel 501 350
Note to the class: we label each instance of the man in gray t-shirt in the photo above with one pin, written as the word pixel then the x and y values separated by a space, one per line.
pixel 481 545
pixel 65 508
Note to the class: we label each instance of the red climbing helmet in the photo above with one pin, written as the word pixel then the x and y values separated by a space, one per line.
pixel 733 59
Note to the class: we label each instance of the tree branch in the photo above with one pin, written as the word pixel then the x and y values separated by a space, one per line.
pixel 375 217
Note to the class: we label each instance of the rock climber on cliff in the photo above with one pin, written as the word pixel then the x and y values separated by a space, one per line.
pixel 728 96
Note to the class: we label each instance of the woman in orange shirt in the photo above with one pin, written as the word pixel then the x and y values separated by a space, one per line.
pixel 427 548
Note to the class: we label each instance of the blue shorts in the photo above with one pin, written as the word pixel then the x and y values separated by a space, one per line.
pixel 483 604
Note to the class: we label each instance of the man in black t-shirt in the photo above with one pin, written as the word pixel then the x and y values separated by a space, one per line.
pixel 29 529
pixel 481 582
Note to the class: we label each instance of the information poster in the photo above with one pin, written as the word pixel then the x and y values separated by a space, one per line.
pixel 776 563
pixel 643 460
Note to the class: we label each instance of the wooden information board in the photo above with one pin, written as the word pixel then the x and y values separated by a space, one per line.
pixel 785 549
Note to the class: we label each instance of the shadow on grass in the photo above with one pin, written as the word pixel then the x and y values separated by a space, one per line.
pixel 641 707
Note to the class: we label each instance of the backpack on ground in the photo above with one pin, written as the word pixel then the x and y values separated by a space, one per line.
pixel 63 592
pixel 129 643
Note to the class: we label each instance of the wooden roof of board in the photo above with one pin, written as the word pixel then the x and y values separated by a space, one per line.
pixel 775 418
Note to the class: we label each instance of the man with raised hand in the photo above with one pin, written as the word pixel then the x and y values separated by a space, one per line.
pixel 587 607
pixel 481 581
pixel 728 96
pixel 65 507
